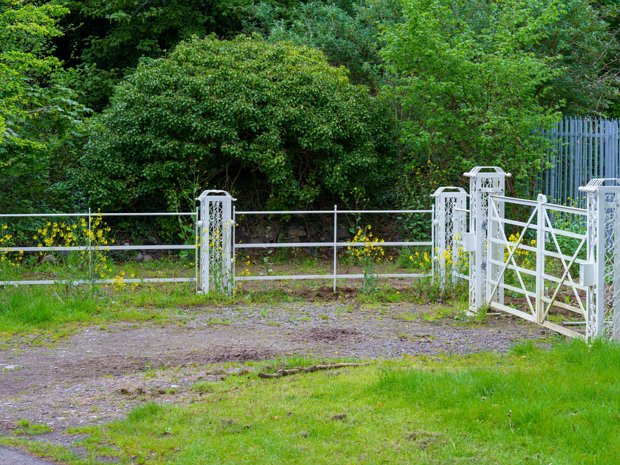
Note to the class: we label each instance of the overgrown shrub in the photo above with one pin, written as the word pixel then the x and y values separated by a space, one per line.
pixel 273 123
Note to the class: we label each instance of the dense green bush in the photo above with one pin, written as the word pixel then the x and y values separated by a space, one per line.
pixel 270 122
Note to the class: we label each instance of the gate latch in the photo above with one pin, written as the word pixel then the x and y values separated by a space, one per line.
pixel 469 242
pixel 587 274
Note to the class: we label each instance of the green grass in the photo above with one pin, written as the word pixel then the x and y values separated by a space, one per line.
pixel 55 311
pixel 25 427
pixel 530 406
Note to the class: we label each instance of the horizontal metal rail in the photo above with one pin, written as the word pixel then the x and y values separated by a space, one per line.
pixel 329 276
pixel 104 248
pixel 529 248
pixel 78 282
pixel 276 245
pixel 86 215
pixel 328 212
pixel 534 203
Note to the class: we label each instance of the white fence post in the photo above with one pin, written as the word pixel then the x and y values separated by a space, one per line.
pixel 601 275
pixel 448 229
pixel 483 182
pixel 216 232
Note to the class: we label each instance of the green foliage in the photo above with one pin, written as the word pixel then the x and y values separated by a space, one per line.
pixel 270 122
pixel 468 84
pixel 588 56
pixel 348 33
pixel 39 116
pixel 110 36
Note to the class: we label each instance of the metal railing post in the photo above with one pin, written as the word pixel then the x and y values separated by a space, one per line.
pixel 216 246
pixel 600 276
pixel 90 249
pixel 233 249
pixel 335 247
pixel 446 230
pixel 196 247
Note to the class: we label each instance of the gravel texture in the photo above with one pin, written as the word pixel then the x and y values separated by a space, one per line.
pixel 97 375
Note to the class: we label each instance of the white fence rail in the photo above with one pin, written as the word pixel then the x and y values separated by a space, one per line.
pixel 554 265
pixel 335 245
pixel 89 276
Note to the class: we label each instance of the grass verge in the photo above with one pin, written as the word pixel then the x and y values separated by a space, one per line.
pixel 558 406
pixel 58 310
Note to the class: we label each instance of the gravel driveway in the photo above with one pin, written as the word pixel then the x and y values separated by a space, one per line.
pixel 98 374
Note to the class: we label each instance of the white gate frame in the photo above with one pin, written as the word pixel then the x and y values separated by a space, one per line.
pixel 544 294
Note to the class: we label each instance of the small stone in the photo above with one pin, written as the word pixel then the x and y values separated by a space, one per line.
pixel 10 367
pixel 49 258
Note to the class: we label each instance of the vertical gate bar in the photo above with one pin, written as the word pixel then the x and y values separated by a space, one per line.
pixel 615 293
pixel 433 239
pixel 226 258
pixel 615 329
pixel 335 247
pixel 540 257
pixel 205 245
pixel 492 224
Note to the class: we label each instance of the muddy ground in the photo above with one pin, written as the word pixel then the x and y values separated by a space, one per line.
pixel 98 374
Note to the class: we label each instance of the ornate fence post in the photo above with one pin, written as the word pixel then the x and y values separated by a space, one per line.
pixel 483 182
pixel 449 227
pixel 215 227
pixel 601 273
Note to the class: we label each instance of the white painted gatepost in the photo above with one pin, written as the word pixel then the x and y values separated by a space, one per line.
pixel 601 273
pixel 215 226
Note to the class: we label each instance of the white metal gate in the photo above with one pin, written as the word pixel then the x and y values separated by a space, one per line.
pixel 536 262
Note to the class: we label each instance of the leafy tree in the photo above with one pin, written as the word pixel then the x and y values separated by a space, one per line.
pixel 587 55
pixel 39 116
pixel 473 83
pixel 106 38
pixel 270 122
pixel 347 32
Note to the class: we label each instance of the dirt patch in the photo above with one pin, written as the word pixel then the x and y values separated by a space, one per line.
pixel 98 375
pixel 328 334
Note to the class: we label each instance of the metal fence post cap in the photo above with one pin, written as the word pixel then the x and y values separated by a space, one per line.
pixel 484 169
pixel 440 190
pixel 595 184
pixel 214 193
